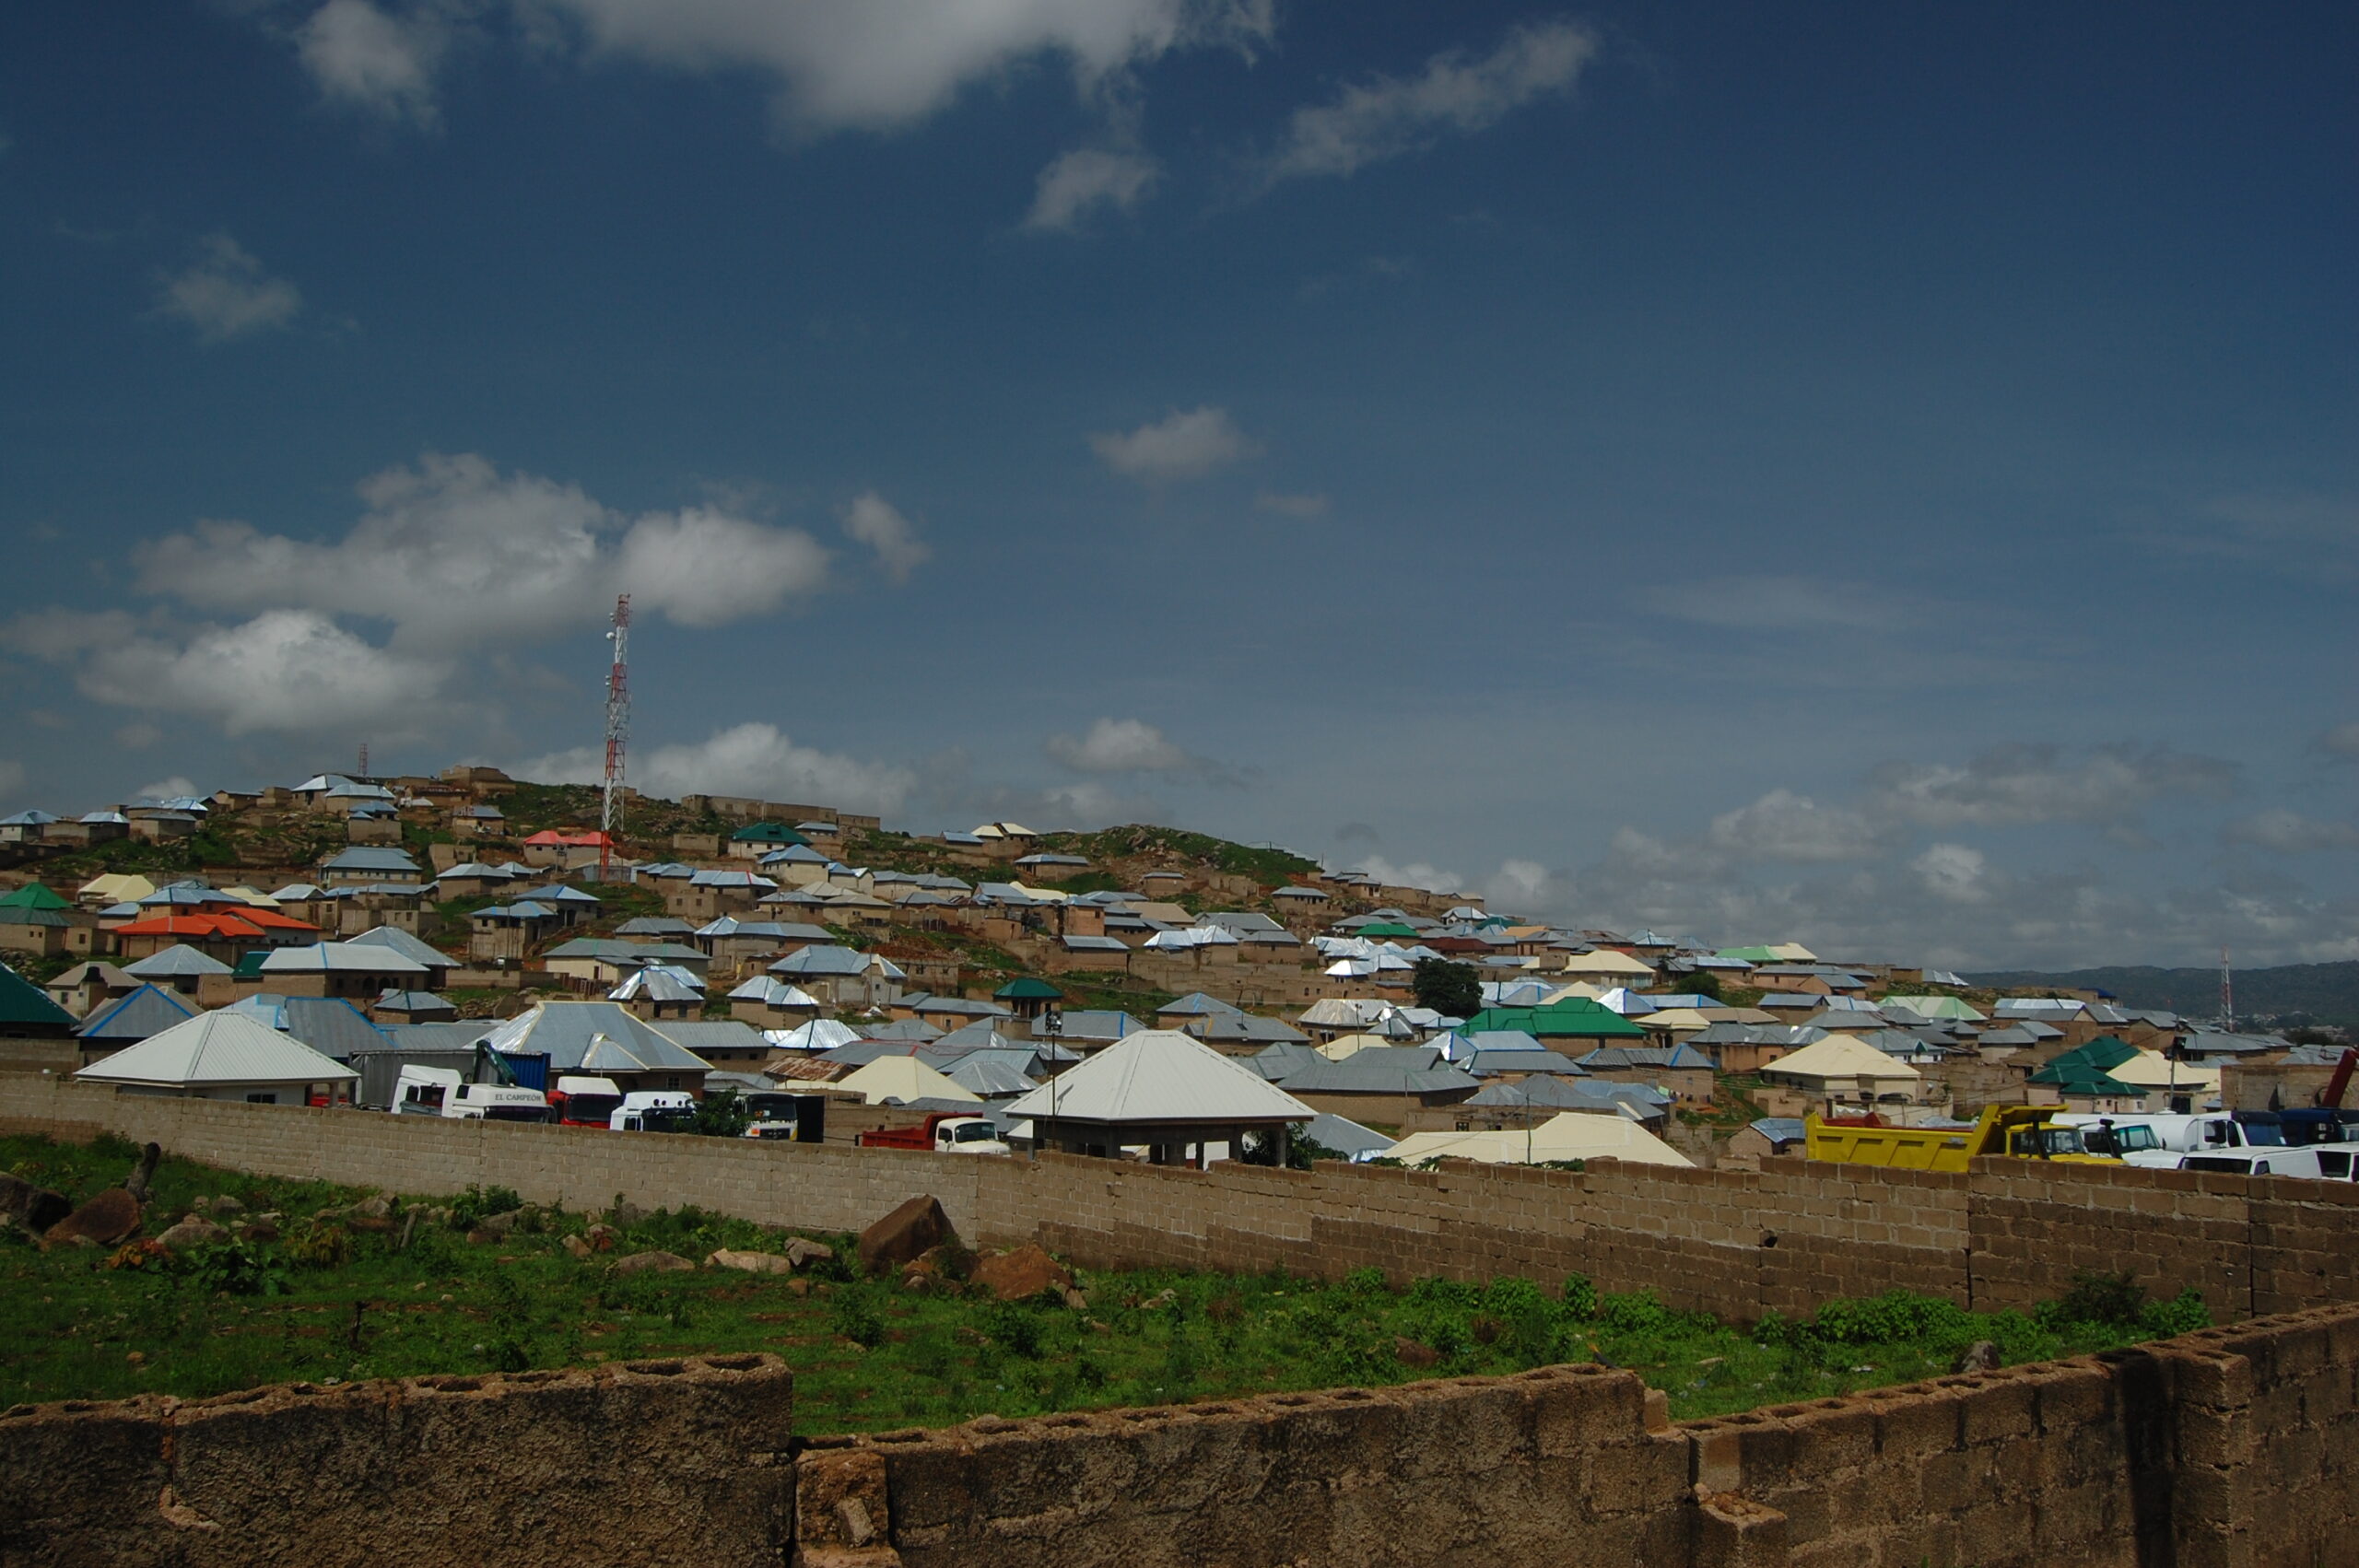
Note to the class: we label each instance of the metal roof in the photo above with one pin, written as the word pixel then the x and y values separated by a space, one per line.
pixel 177 962
pixel 596 1036
pixel 408 946
pixel 342 957
pixel 1162 1075
pixel 147 1011
pixel 225 1048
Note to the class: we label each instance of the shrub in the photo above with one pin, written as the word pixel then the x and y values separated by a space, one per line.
pixel 2183 1314
pixel 477 1204
pixel 1893 1315
pixel 1014 1329
pixel 855 1316
pixel 2097 1298
pixel 320 1247
pixel 237 1269
pixel 1580 1296
pixel 1367 1282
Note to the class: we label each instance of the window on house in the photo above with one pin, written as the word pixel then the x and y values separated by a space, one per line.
pixel 673 1082
pixel 262 1099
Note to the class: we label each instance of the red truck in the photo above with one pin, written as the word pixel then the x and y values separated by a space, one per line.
pixel 945 1132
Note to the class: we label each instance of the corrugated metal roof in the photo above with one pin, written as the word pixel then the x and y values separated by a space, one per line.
pixel 1162 1075
pixel 223 1047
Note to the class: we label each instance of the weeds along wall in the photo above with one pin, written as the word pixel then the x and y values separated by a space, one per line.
pixel 1735 1242
pixel 2229 1448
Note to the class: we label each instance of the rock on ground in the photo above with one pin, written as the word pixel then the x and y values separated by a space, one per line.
pixel 105 1220
pixel 800 1251
pixel 35 1208
pixel 191 1234
pixel 750 1262
pixel 902 1236
pixel 1019 1275
pixel 1409 1352
pixel 654 1262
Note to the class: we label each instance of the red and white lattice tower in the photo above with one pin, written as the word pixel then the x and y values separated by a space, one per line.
pixel 610 815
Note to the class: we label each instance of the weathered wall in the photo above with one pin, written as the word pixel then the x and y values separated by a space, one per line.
pixel 1736 1243
pixel 679 1461
pixel 2231 1447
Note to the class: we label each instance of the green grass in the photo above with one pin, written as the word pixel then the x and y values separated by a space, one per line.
pixel 869 1356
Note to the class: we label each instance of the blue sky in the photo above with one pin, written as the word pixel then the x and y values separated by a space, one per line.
pixel 1877 476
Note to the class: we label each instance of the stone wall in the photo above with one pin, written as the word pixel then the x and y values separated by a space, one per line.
pixel 2236 1447
pixel 1736 1243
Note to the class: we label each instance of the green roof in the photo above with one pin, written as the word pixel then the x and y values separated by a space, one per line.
pixel 1749 955
pixel 1028 989
pixel 1576 1016
pixel 21 1001
pixel 33 895
pixel 2097 1059
pixel 768 832
pixel 2082 1080
pixel 250 964
pixel 1386 928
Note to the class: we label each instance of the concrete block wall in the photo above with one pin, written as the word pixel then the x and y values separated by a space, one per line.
pixel 670 1461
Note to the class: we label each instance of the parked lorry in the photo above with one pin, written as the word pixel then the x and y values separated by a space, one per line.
pixel 2317 1161
pixel 799 1118
pixel 440 1091
pixel 654 1110
pixel 585 1101
pixel 2023 1132
pixel 2161 1141
pixel 945 1132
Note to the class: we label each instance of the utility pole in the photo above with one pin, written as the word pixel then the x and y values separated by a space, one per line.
pixel 610 811
pixel 2227 996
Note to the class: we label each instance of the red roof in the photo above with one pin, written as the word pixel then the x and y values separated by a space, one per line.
pixel 228 928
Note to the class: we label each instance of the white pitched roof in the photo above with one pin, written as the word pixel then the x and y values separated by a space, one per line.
pixel 901 1078
pixel 1567 1135
pixel 218 1049
pixel 358 957
pixel 1161 1075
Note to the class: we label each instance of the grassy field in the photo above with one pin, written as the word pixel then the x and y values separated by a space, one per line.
pixel 328 1301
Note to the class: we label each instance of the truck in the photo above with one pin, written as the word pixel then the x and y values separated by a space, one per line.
pixel 2023 1132
pixel 440 1091
pixel 800 1119
pixel 585 1101
pixel 654 1110
pixel 945 1132
pixel 2160 1143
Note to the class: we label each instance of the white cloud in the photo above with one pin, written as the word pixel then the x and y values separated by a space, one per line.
pixel 225 294
pixel 1387 116
pixel 1782 826
pixel 455 554
pixel 1777 603
pixel 1179 445
pixel 170 789
pixel 2012 785
pixel 2290 833
pixel 373 59
pixel 884 63
pixel 285 669
pixel 1415 874
pixel 872 520
pixel 1955 872
pixel 1521 887
pixel 747 759
pixel 1133 745
pixel 1086 179
pixel 1305 506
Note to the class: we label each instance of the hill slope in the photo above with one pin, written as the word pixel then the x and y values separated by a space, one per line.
pixel 2294 993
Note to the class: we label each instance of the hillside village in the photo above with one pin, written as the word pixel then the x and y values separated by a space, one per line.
pixel 480 923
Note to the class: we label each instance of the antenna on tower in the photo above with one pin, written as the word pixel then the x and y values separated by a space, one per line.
pixel 2227 996
pixel 610 813
pixel 364 759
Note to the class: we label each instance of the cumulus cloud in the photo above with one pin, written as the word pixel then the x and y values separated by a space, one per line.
pixel 454 552
pixel 284 669
pixel 872 520
pixel 2290 833
pixel 1782 826
pixel 1187 445
pixel 171 789
pixel 2107 788
pixel 1304 507
pixel 225 294
pixel 374 60
pixel 1955 872
pixel 1414 874
pixel 1131 745
pixel 1454 95
pixel 1085 179
pixel 745 759
pixel 883 62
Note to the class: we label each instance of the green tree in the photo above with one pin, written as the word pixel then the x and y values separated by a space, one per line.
pixel 1454 990
pixel 722 1114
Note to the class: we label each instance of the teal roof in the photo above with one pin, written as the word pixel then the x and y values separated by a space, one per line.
pixel 2097 1059
pixel 33 895
pixel 1028 989
pixel 767 833
pixel 1575 1016
pixel 21 1001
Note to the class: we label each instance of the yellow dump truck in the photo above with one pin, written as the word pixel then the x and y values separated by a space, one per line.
pixel 2025 1131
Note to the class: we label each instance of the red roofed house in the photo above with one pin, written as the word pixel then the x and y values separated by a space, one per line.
pixel 551 848
pixel 220 935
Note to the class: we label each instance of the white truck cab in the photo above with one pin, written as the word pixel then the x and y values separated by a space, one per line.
pixel 439 1090
pixel 654 1110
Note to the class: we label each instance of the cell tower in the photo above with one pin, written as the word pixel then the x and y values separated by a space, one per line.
pixel 610 815
pixel 364 760
pixel 2227 996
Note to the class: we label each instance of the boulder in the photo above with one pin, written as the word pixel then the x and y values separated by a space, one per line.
pixel 653 1263
pixel 1025 1273
pixel 577 1246
pixel 375 1206
pixel 259 1230
pixel 901 1237
pixel 494 1228
pixel 1409 1352
pixel 602 1238
pixel 193 1232
pixel 35 1208
pixel 225 1206
pixel 800 1251
pixel 1980 1356
pixel 103 1220
pixel 750 1262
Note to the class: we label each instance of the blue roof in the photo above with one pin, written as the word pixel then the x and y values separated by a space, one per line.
pixel 129 1019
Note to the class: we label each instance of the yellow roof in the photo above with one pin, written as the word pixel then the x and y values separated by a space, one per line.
pixel 1045 894
pixel 2151 1069
pixel 1673 1019
pixel 252 895
pixel 1342 1045
pixel 1839 1056
pixel 1577 988
pixel 117 887
pixel 1567 1135
pixel 902 1078
pixel 1605 960
pixel 1793 952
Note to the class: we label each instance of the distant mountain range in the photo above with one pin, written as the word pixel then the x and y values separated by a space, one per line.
pixel 2292 994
